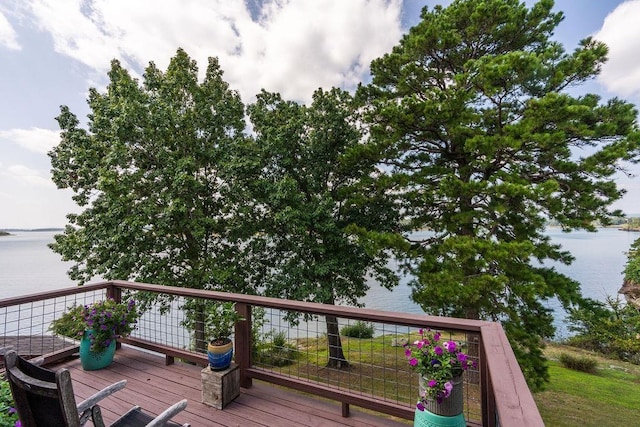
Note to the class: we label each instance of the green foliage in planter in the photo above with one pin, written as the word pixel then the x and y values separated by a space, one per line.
pixel 67 324
pixel 219 319
pixel 277 352
pixel 578 363
pixel 8 415
pixel 107 319
pixel 358 329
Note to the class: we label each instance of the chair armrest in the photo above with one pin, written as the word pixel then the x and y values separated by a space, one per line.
pixel 84 407
pixel 169 413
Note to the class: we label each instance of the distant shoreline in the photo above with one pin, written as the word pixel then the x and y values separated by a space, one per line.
pixel 11 231
pixel 27 230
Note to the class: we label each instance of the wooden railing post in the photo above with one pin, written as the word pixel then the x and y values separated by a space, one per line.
pixel 115 293
pixel 487 399
pixel 243 343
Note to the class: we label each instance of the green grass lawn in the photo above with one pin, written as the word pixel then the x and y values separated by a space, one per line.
pixel 610 397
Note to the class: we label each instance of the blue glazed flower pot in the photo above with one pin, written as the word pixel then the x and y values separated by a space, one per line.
pixel 92 361
pixel 220 356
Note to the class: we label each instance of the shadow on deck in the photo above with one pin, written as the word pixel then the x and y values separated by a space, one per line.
pixel 155 386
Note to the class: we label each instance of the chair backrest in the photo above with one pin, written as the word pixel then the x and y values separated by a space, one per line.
pixel 43 398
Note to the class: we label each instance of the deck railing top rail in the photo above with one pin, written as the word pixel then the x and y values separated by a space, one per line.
pixel 356 313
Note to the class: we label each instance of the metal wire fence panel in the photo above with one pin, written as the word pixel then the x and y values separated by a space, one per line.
pixel 26 327
pixel 365 358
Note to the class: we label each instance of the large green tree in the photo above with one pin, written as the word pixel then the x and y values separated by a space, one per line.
pixel 485 142
pixel 313 183
pixel 149 173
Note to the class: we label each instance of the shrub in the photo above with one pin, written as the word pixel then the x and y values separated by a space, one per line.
pixel 278 352
pixel 8 415
pixel 358 329
pixel 611 328
pixel 578 363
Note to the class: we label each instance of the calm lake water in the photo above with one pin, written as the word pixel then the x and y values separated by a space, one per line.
pixel 27 265
pixel 599 261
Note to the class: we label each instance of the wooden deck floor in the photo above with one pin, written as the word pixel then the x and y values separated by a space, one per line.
pixel 154 386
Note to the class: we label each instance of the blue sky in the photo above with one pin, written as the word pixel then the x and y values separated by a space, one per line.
pixel 53 51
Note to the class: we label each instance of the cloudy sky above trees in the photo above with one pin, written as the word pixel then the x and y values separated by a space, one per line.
pixel 52 51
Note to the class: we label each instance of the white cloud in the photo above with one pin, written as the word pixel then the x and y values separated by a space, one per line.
pixel 20 174
pixel 29 198
pixel 295 47
pixel 35 139
pixel 621 32
pixel 8 37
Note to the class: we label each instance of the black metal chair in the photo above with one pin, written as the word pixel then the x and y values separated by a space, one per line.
pixel 45 398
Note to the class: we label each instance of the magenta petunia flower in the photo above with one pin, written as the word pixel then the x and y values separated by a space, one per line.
pixel 447 388
pixel 438 359
pixel 451 346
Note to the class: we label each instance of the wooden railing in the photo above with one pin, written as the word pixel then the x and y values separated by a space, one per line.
pixel 504 398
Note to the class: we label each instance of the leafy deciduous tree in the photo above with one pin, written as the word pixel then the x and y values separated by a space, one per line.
pixel 313 183
pixel 149 174
pixel 485 143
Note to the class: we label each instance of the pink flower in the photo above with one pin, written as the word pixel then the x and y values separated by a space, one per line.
pixel 407 352
pixel 447 388
pixel 451 346
pixel 413 361
pixel 432 383
pixel 438 350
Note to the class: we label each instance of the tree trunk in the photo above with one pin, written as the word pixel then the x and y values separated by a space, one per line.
pixel 198 333
pixel 336 355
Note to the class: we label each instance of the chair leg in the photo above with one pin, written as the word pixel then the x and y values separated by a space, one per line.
pixel 96 416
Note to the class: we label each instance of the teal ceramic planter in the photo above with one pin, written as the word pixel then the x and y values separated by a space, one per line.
pixel 429 419
pixel 92 361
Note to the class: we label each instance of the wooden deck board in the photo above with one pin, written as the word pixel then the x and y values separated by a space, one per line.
pixel 154 387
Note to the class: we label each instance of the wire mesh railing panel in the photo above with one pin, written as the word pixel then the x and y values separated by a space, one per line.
pixel 360 357
pixel 26 327
pixel 163 324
